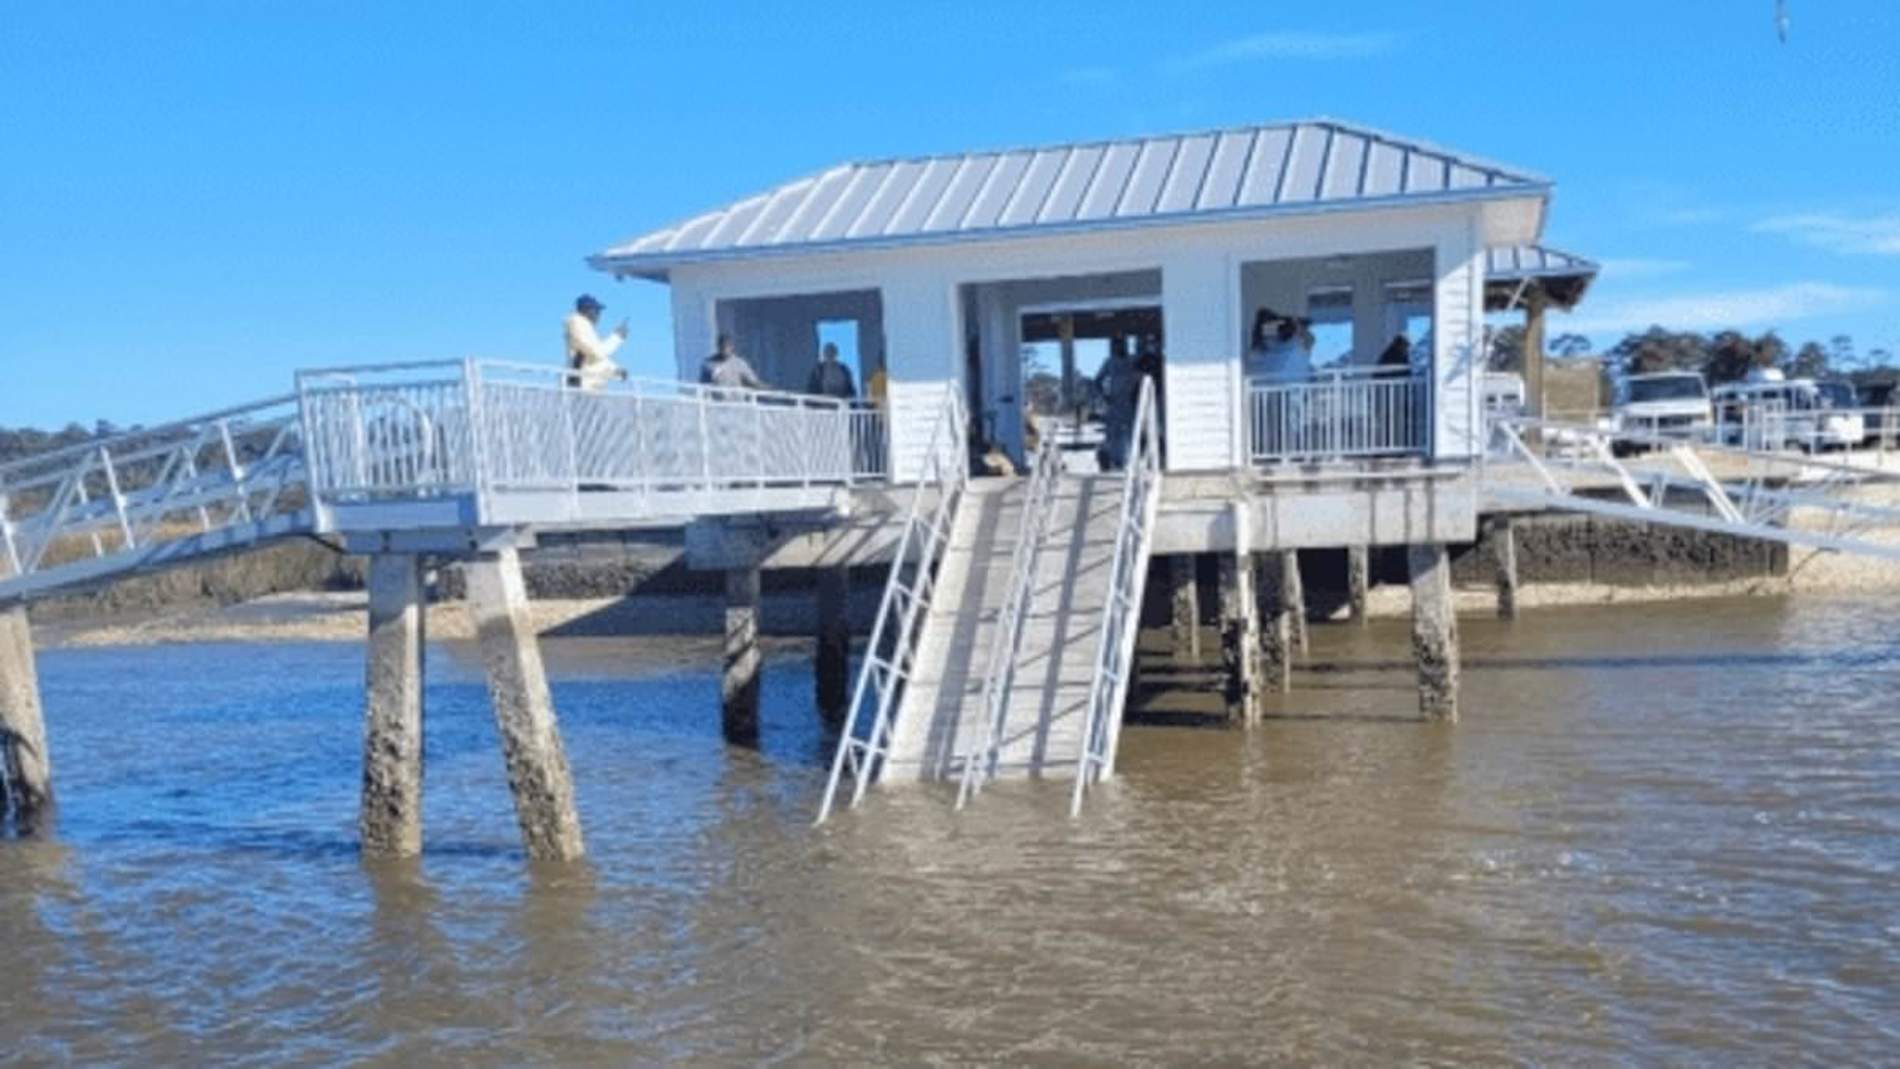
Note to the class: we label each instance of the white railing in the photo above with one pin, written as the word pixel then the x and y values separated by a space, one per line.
pixel 999 677
pixel 890 653
pixel 491 427
pixel 116 497
pixel 1668 479
pixel 392 431
pixel 1121 616
pixel 1338 413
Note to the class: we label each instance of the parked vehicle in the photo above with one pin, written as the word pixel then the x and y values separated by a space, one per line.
pixel 1503 394
pixel 1667 403
pixel 1772 412
pixel 1877 402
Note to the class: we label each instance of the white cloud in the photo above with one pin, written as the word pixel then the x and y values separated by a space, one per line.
pixel 1723 309
pixel 1637 267
pixel 1292 45
pixel 1877 235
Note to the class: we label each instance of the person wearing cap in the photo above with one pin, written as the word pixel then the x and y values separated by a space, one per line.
pixel 589 356
pixel 830 378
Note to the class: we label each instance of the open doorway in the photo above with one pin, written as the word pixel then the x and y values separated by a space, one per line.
pixel 1065 354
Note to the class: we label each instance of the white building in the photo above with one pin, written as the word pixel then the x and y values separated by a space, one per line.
pixel 938 260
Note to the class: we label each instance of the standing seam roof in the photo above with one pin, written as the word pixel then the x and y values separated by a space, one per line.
pixel 1303 165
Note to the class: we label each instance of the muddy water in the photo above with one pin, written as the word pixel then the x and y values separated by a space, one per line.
pixel 1659 835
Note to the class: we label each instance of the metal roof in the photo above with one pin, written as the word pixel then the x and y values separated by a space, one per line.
pixel 1562 276
pixel 1301 166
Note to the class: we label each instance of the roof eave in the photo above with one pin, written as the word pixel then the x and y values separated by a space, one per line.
pixel 656 266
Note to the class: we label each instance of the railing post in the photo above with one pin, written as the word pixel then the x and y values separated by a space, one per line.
pixel 118 499
pixel 476 435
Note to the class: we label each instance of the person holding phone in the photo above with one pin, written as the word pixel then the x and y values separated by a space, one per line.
pixel 590 358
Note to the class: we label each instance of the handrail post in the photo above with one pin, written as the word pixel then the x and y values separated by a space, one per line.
pixel 118 499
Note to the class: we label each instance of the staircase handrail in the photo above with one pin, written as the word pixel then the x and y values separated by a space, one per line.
pixel 946 470
pixel 1121 615
pixel 999 676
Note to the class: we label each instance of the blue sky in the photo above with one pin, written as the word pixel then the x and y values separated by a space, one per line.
pixel 199 197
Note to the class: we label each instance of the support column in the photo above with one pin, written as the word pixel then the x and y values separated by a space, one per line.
pixel 391 819
pixel 1293 589
pixel 1184 602
pixel 524 711
pixel 739 687
pixel 1276 621
pixel 1434 632
pixel 1239 639
pixel 1534 304
pixel 1504 556
pixel 26 768
pixel 833 658
pixel 1358 581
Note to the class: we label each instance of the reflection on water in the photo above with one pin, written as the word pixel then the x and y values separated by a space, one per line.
pixel 1659 834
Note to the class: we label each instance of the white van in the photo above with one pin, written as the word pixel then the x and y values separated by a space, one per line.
pixel 1772 412
pixel 1670 403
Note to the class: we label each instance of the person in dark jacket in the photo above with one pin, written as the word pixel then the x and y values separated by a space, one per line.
pixel 830 378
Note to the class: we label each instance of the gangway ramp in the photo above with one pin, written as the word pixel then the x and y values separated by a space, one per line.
pixel 1014 629
pixel 943 723
pixel 1799 499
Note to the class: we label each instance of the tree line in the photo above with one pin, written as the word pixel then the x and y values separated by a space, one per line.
pixel 1724 356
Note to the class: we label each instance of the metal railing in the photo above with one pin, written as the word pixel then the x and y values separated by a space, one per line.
pixel 492 427
pixel 1663 478
pixel 123 495
pixel 999 677
pixel 1338 413
pixel 1121 616
pixel 890 654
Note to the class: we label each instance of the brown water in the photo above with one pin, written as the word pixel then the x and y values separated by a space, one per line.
pixel 1659 835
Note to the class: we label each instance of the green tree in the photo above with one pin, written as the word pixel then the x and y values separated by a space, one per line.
pixel 1810 362
pixel 1657 349
pixel 1505 351
pixel 1570 345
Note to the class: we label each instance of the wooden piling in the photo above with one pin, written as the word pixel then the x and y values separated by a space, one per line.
pixel 390 822
pixel 26 767
pixel 739 686
pixel 833 654
pixel 1239 624
pixel 1358 581
pixel 538 774
pixel 1434 632
pixel 1184 605
pixel 1504 558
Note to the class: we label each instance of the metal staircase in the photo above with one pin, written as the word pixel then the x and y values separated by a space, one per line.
pixel 1795 498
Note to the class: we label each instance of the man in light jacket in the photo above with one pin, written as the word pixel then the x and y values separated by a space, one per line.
pixel 589 356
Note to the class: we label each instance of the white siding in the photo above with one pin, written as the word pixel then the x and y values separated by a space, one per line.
pixel 1458 324
pixel 1202 369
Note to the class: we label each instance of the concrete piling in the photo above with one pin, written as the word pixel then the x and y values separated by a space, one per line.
pixel 1358 581
pixel 524 710
pixel 1434 632
pixel 739 686
pixel 1293 590
pixel 26 768
pixel 833 655
pixel 1184 605
pixel 1504 557
pixel 1239 639
pixel 1275 627
pixel 391 819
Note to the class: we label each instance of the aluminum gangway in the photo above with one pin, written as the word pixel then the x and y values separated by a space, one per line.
pixel 1015 661
pixel 1840 505
pixel 446 448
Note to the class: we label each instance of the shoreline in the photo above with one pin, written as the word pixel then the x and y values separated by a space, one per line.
pixel 342 616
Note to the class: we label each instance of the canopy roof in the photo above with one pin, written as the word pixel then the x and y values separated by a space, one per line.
pixel 1514 271
pixel 1307 165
